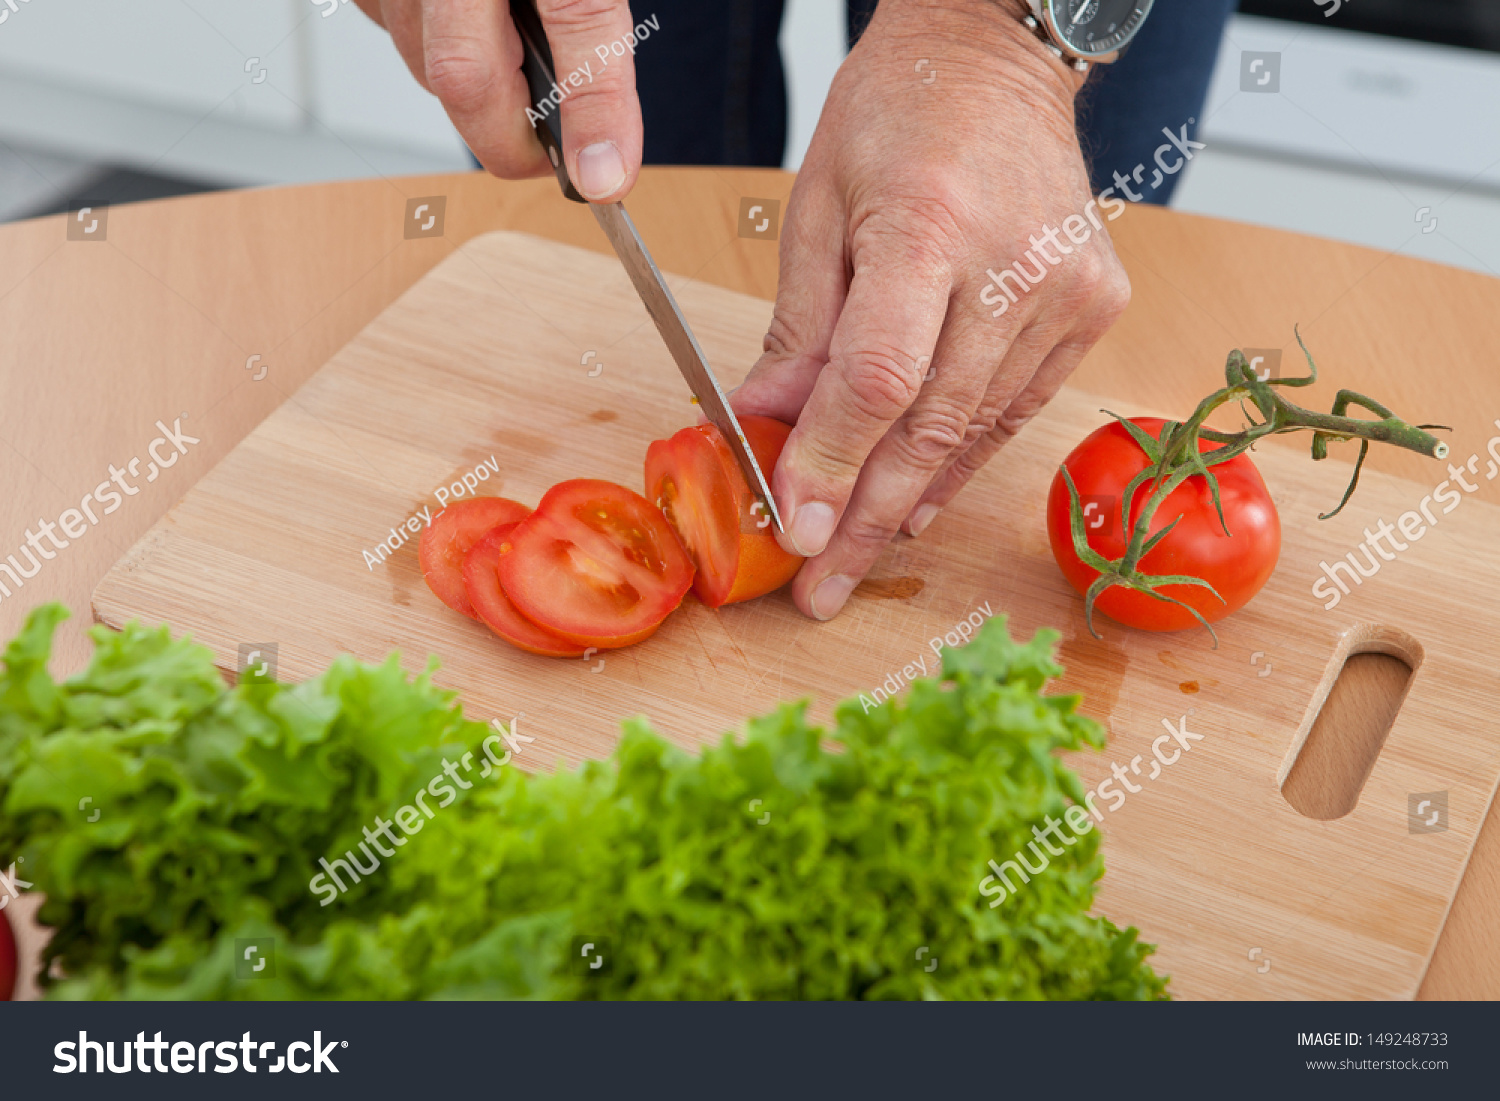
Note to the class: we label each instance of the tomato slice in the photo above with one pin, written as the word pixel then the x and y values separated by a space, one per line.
pixel 449 538
pixel 595 563
pixel 482 580
pixel 694 479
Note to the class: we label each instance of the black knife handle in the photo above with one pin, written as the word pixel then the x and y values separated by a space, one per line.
pixel 536 64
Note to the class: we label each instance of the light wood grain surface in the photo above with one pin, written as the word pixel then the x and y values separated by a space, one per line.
pixel 478 369
pixel 105 338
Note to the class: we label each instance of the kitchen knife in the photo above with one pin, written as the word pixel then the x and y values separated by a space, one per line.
pixel 546 97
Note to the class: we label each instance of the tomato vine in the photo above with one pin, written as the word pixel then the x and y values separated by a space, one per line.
pixel 1174 457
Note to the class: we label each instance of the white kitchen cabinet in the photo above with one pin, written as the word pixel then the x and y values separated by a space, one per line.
pixel 228 91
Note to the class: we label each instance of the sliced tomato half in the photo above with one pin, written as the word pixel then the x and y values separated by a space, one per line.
pixel 449 538
pixel 482 580
pixel 596 564
pixel 694 478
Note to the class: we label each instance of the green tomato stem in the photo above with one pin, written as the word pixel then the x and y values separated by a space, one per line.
pixel 1175 457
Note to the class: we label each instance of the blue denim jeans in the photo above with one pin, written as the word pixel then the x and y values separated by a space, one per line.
pixel 713 90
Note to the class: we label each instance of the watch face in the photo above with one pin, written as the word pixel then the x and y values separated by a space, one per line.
pixel 1095 27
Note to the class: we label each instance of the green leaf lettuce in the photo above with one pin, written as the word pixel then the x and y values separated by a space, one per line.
pixel 167 816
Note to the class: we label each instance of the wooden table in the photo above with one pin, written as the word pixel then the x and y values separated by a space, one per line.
pixel 165 317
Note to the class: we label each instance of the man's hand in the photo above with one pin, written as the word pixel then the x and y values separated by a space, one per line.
pixel 468 54
pixel 946 151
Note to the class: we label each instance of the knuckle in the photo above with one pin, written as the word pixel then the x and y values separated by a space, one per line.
pixel 581 15
pixel 1091 273
pixel 457 71
pixel 920 245
pixel 859 530
pixel 882 383
pixel 1026 406
pixel 969 463
pixel 1100 283
pixel 922 230
pixel 1098 312
pixel 786 335
pixel 508 163
pixel 981 426
pixel 593 102
pixel 1114 296
pixel 830 466
pixel 931 434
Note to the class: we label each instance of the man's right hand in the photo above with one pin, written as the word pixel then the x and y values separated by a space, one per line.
pixel 468 54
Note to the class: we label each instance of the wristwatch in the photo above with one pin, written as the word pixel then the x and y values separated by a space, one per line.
pixel 1082 32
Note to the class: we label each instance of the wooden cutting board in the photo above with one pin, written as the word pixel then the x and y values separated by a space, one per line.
pixel 536 362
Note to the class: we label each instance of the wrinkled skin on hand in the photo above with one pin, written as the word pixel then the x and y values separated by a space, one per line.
pixel 468 54
pixel 884 347
pixel 946 152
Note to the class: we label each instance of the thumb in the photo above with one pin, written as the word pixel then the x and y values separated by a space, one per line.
pixel 593 46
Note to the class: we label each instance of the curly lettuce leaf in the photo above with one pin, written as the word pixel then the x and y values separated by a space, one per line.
pixel 168 818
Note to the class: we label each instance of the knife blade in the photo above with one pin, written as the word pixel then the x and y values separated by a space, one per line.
pixel 661 305
pixel 679 339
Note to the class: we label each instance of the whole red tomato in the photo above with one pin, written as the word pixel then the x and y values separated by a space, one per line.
pixel 1236 565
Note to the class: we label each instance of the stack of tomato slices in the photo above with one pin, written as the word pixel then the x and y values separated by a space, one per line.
pixel 596 565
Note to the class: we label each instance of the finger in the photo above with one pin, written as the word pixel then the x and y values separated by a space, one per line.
pixel 1018 367
pixel 1106 292
pixel 1100 292
pixel 900 468
pixel 891 319
pixel 1041 389
pixel 471 55
pixel 593 50
pixel 810 293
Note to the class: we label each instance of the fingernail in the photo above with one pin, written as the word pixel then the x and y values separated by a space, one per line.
pixel 830 595
pixel 812 527
pixel 601 170
pixel 921 516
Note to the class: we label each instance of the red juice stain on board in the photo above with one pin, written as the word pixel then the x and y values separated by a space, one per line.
pixel 890 588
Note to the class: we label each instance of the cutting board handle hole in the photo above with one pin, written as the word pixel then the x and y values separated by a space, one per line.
pixel 1347 724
